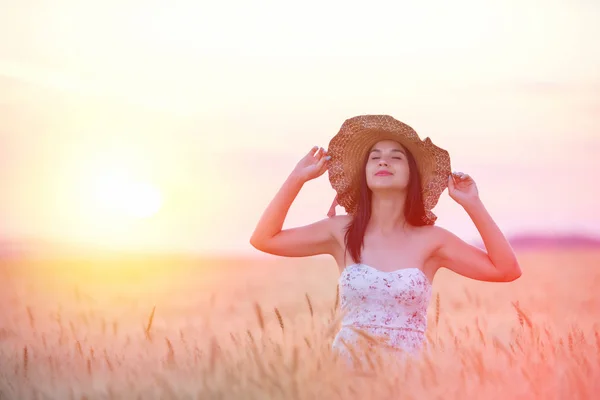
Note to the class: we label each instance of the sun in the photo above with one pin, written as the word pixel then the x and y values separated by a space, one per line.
pixel 113 194
pixel 120 196
pixel 115 184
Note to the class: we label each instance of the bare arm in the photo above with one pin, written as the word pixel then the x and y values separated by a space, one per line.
pixel 499 263
pixel 308 240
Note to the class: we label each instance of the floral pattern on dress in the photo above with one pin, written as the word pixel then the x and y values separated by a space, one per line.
pixel 390 306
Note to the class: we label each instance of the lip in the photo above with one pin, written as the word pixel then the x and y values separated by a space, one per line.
pixel 383 173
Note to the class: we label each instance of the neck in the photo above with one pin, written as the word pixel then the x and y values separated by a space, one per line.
pixel 387 211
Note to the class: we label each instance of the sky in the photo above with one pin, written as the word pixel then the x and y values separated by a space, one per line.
pixel 170 126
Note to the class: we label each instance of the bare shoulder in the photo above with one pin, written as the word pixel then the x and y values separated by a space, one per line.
pixel 341 221
pixel 440 240
pixel 444 238
pixel 338 225
pixel 433 235
pixel 431 239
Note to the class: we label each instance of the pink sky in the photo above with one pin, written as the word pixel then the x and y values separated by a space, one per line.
pixel 212 109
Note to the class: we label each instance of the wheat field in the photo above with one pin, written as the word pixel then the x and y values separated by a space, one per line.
pixel 119 327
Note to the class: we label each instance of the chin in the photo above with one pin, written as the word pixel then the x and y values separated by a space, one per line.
pixel 392 186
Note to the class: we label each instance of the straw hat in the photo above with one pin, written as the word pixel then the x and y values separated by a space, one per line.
pixel 349 147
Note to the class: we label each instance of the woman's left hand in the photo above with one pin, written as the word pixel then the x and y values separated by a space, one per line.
pixel 462 188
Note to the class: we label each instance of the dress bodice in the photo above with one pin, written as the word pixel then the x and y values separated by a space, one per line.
pixel 393 299
pixel 390 306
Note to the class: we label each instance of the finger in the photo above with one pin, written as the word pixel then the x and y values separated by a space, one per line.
pixel 322 163
pixel 323 168
pixel 451 182
pixel 313 151
pixel 460 175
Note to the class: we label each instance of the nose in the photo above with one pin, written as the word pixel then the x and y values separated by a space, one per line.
pixel 382 161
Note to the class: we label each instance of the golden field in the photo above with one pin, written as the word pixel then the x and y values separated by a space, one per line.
pixel 131 327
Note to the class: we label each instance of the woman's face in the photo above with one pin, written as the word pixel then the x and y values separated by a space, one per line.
pixel 387 166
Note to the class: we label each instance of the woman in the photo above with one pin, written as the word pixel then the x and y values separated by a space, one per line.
pixel 387 247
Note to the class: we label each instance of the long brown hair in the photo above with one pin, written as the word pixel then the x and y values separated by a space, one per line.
pixel 414 209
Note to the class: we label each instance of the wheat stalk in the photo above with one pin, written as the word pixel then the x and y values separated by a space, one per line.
pixel 149 325
pixel 259 316
pixel 280 319
pixel 522 316
pixel 310 308
pixel 25 361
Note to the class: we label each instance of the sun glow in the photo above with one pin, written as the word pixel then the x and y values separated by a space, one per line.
pixel 126 198
pixel 115 189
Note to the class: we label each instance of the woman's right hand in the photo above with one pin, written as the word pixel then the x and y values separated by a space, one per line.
pixel 312 165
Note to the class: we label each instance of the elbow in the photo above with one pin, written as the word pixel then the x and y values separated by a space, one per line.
pixel 262 242
pixel 513 274
pixel 258 244
pixel 254 243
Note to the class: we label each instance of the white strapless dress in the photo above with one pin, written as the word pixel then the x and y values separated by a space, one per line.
pixel 390 306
